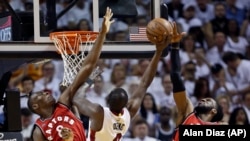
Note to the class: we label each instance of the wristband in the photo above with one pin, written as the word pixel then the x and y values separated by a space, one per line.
pixel 175 45
pixel 89 81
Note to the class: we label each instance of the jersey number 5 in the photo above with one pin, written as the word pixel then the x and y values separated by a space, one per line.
pixel 118 137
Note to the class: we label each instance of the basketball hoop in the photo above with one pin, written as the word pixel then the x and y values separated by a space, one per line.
pixel 72 46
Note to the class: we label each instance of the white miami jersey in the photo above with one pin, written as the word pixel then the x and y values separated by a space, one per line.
pixel 114 127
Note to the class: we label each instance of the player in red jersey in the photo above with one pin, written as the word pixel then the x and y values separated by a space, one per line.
pixel 55 117
pixel 207 112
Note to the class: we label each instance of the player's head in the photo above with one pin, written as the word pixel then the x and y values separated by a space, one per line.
pixel 117 100
pixel 39 101
pixel 209 107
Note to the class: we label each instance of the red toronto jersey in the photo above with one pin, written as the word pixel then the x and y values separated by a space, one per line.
pixel 62 117
pixel 192 119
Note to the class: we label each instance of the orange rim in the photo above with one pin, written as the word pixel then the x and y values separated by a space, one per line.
pixel 85 35
pixel 73 40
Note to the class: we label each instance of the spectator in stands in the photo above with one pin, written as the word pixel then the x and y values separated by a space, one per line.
pixel 84 25
pixel 175 8
pixel 154 87
pixel 104 65
pixel 188 20
pixel 236 43
pixel 27 125
pixel 202 65
pixel 204 10
pixel 149 112
pixel 97 93
pixel 219 22
pixel 27 84
pixel 214 54
pixel 235 13
pixel 218 84
pixel 201 90
pixel 118 78
pixel 140 132
pixel 237 72
pixel 245 29
pixel 201 39
pixel 188 72
pixel 133 84
pixel 166 97
pixel 165 127
pixel 246 104
pixel 187 49
pixel 238 117
pixel 141 21
pixel 48 82
pixel 80 10
pixel 225 103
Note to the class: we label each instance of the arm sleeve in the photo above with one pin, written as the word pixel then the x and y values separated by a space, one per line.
pixel 178 85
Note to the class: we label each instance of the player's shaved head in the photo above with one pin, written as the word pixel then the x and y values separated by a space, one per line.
pixel 117 100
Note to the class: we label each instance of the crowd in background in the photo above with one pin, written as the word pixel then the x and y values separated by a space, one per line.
pixel 214 56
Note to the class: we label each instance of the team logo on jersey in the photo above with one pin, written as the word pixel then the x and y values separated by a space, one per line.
pixel 118 126
pixel 57 124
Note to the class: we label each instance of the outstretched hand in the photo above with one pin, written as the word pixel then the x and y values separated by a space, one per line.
pixel 166 40
pixel 176 35
pixel 107 20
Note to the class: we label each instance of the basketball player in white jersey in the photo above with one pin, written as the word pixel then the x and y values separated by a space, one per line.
pixel 111 123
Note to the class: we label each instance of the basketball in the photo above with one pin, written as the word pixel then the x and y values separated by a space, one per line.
pixel 157 28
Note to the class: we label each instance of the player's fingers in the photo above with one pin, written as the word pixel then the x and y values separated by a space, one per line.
pixel 110 10
pixel 111 15
pixel 183 34
pixel 169 38
pixel 175 28
pixel 107 10
pixel 112 21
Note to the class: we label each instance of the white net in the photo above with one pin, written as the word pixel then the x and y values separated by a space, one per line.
pixel 72 49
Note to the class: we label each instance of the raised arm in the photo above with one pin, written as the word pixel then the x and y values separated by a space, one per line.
pixel 90 61
pixel 148 76
pixel 184 105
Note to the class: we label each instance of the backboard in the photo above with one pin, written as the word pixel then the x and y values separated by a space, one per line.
pixel 27 35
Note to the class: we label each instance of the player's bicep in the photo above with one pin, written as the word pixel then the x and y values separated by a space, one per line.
pixel 135 101
pixel 68 94
pixel 65 97
pixel 37 135
pixel 86 107
pixel 183 103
